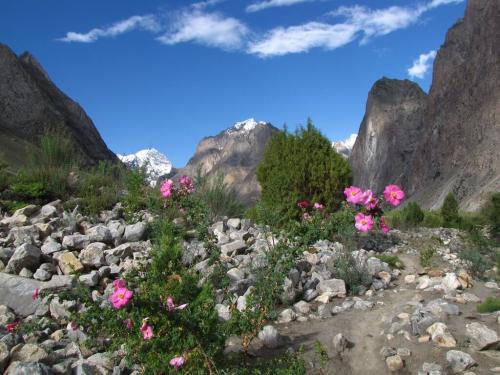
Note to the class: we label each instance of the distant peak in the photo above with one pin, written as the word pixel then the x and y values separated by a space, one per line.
pixel 344 147
pixel 246 126
pixel 156 163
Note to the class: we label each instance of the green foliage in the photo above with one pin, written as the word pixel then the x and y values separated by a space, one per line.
pixel 392 260
pixel 478 264
pixel 413 214
pixel 432 220
pixel 302 166
pixel 491 213
pixel 29 190
pixel 219 198
pixel 321 353
pixel 426 255
pixel 491 304
pixel 449 211
pixel 346 268
pixel 5 176
pixel 100 187
pixel 138 192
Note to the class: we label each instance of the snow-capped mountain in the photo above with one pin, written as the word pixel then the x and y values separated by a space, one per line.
pixel 156 163
pixel 344 147
pixel 245 126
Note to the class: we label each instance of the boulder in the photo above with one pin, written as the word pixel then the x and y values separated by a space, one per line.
pixel 93 255
pixel 270 337
pixel 22 368
pixel 75 241
pixel 28 353
pixel 100 233
pixel 135 232
pixel 26 234
pixel 334 287
pixel 481 337
pixel 441 336
pixel 459 361
pixel 235 247
pixel 25 256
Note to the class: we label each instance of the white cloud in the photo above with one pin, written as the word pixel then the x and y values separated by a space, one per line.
pixel 358 22
pixel 148 23
pixel 210 29
pixel 205 4
pixel 255 7
pixel 421 65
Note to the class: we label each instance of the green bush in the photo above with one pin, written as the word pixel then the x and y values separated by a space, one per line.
pixel 29 190
pixel 220 199
pixel 426 255
pixel 478 264
pixel 391 260
pixel 413 214
pixel 100 187
pixel 432 220
pixel 491 304
pixel 138 193
pixel 491 214
pixel 449 211
pixel 302 166
pixel 5 176
pixel 347 269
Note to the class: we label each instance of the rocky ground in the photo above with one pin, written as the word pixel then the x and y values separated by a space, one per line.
pixel 404 321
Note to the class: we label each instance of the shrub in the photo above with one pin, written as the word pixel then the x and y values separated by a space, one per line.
pixel 391 260
pixel 491 304
pixel 491 214
pixel 100 187
pixel 449 211
pixel 219 198
pixel 426 255
pixel 413 214
pixel 347 269
pixel 29 190
pixel 477 263
pixel 432 220
pixel 5 177
pixel 137 191
pixel 302 166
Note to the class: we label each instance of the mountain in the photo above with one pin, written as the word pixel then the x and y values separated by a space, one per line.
pixel 344 147
pixel 235 153
pixel 446 141
pixel 157 164
pixel 388 134
pixel 30 104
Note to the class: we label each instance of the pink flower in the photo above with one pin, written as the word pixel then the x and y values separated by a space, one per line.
pixel 36 294
pixel 12 326
pixel 177 362
pixel 166 188
pixel 72 326
pixel 306 216
pixel 354 194
pixel 117 284
pixel 128 323
pixel 147 330
pixel 304 204
pixel 171 306
pixel 370 200
pixel 318 206
pixel 393 195
pixel 364 223
pixel 383 226
pixel 186 184
pixel 121 297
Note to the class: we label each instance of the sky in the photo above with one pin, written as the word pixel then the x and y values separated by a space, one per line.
pixel 165 74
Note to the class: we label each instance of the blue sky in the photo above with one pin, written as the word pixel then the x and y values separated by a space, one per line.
pixel 167 73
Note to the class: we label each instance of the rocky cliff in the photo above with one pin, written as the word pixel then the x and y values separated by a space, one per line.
pixel 447 141
pixel 388 135
pixel 235 153
pixel 30 103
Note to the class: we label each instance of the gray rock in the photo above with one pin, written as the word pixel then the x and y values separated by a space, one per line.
pixel 19 368
pixel 459 361
pixel 75 241
pixel 99 233
pixel 288 294
pixel 481 337
pixel 28 353
pixel 223 312
pixel 234 224
pixel 302 307
pixel 4 356
pixel 6 253
pixel 375 265
pixel 394 363
pixel 270 337
pixel 324 311
pixel 340 343
pixel 25 256
pixel 387 351
pixel 121 251
pixel 334 287
pixel 48 211
pixel 117 230
pixel 85 369
pixel 193 252
pixel 26 234
pixel 310 294
pixel 90 279
pixel 26 273
pixel 235 274
pixel 51 246
pixel 135 232
pixel 287 316
pixel 235 247
pixel 93 255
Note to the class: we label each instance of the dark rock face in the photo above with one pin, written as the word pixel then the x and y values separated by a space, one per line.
pixel 447 141
pixel 388 135
pixel 30 103
pixel 235 153
pixel 459 150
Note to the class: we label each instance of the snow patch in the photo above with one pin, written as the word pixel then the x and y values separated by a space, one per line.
pixel 156 163
pixel 344 147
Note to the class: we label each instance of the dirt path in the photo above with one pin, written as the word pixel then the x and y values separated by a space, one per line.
pixel 365 330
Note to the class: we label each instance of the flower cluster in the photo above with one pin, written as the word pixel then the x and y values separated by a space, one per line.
pixel 364 222
pixel 121 296
pixel 186 186
pixel 305 205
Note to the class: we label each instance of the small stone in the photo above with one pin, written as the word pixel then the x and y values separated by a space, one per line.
pixel 31 368
pixel 28 353
pixel 269 337
pixel 223 312
pixel 234 224
pixel 91 279
pixel 491 285
pixel 302 307
pixel 459 361
pixel 69 264
pixel 26 273
pixel 441 336
pixel 404 352
pixel 233 248
pixel 481 337
pixel 287 316
pixel 394 363
pixel 311 258
pixel 135 232
pixel 450 282
pixel 4 356
pixel 335 287
pixel 340 343
pixel 51 246
pixel 75 241
pixel 431 369
pixel 235 274
pixel 99 233
pixel 387 351
pixel 424 338
pixel 93 255
pixel 25 256
pixel 410 279
pixel 324 298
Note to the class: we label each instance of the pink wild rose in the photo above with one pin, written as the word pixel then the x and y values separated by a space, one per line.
pixel 166 188
pixel 36 294
pixel 117 284
pixel 370 201
pixel 128 323
pixel 12 326
pixel 147 330
pixel 72 326
pixel 121 297
pixel 318 206
pixel 186 184
pixel 171 306
pixel 177 362
pixel 393 195
pixel 354 194
pixel 383 225
pixel 364 223
pixel 304 204
pixel 306 216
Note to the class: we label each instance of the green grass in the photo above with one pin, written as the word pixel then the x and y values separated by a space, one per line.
pixel 392 260
pixel 491 304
